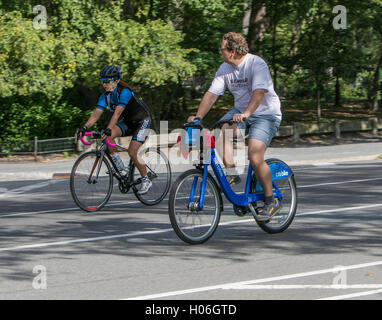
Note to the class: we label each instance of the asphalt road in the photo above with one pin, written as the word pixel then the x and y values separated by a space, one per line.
pixel 52 250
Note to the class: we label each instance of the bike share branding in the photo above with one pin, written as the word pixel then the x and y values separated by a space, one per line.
pixel 282 174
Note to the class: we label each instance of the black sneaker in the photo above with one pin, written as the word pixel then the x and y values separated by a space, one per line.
pixel 266 212
pixel 233 179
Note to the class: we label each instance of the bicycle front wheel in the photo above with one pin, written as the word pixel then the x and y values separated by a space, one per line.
pixel 191 224
pixel 158 171
pixel 91 182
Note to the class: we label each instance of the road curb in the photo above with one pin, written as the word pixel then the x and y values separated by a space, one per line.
pixel 66 175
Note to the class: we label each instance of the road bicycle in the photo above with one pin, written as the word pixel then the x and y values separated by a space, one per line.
pixel 92 175
pixel 196 203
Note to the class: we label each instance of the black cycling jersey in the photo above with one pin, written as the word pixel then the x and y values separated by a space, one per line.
pixel 135 109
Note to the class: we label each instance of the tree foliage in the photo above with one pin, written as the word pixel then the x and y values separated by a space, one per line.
pixel 50 76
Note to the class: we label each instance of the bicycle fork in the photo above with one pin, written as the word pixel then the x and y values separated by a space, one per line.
pixel 97 164
pixel 192 204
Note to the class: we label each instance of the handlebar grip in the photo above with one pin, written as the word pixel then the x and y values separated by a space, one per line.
pixel 82 138
pixel 234 121
pixel 90 134
pixel 109 143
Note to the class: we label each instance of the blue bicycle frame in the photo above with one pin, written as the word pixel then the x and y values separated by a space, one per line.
pixel 278 171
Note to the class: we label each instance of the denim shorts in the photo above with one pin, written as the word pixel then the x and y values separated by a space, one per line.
pixel 260 127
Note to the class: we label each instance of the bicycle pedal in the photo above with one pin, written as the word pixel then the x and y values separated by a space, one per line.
pixel 240 211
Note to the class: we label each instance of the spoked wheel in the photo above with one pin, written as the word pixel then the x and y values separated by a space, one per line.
pixel 288 189
pixel 191 224
pixel 158 171
pixel 91 182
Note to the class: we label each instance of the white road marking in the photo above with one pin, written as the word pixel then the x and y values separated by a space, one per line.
pixel 230 286
pixel 69 209
pixel 30 187
pixel 74 241
pixel 340 182
pixel 340 209
pixel 119 203
pixel 353 295
pixel 324 164
pixel 159 231
pixel 304 286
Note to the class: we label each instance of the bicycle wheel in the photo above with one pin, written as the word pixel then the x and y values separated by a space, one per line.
pixel 285 216
pixel 91 182
pixel 159 172
pixel 190 224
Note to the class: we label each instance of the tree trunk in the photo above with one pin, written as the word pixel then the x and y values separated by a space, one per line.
pixel 129 9
pixel 318 102
pixel 257 26
pixel 274 55
pixel 374 90
pixel 337 102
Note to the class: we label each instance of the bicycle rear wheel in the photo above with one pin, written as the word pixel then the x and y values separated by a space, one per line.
pixel 158 171
pixel 287 186
pixel 91 182
pixel 192 225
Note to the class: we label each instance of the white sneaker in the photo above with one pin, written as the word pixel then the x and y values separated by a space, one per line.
pixel 145 185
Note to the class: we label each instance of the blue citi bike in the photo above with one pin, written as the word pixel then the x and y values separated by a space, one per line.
pixel 196 203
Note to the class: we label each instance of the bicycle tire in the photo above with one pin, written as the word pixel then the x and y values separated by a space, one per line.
pixel 177 203
pixel 289 202
pixel 161 183
pixel 79 182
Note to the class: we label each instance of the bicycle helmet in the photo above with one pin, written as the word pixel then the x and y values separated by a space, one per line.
pixel 111 72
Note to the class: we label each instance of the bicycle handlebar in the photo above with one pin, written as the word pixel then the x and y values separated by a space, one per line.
pixel 230 122
pixel 98 134
pixel 197 124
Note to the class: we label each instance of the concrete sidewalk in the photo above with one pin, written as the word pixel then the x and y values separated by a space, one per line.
pixel 293 156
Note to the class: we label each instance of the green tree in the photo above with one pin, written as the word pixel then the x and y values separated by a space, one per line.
pixel 46 72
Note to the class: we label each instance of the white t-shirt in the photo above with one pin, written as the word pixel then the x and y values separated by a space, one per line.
pixel 251 74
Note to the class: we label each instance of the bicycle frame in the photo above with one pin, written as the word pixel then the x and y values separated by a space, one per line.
pixel 278 171
pixel 103 150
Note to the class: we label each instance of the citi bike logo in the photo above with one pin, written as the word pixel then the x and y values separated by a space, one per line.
pixel 282 173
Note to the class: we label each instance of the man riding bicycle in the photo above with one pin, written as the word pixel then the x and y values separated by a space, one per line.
pixel 127 116
pixel 248 78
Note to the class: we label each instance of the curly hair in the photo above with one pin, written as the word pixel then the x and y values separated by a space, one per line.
pixel 237 42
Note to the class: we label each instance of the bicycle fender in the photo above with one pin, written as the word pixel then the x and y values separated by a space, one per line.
pixel 279 170
pixel 219 191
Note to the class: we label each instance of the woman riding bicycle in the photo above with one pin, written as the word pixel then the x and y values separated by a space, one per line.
pixel 127 116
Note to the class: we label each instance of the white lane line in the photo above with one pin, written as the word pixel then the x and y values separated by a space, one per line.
pixel 353 295
pixel 232 285
pixel 125 235
pixel 340 209
pixel 68 242
pixel 304 286
pixel 159 231
pixel 321 164
pixel 340 182
pixel 30 187
pixel 75 208
pixel 119 203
